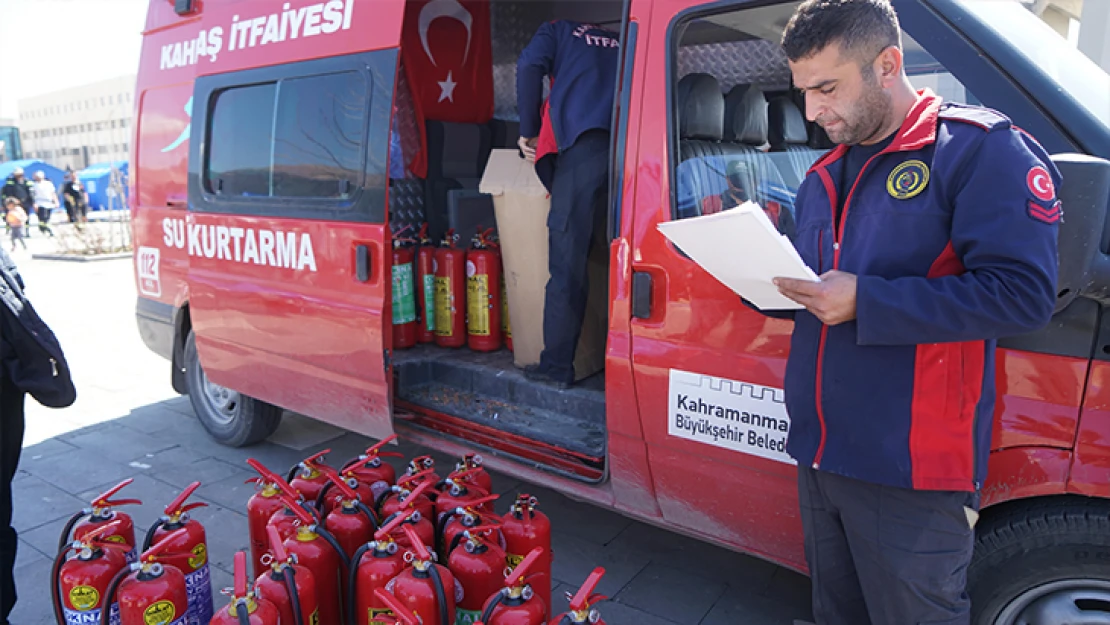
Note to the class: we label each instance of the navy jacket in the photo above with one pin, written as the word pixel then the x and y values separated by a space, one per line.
pixel 951 231
pixel 581 60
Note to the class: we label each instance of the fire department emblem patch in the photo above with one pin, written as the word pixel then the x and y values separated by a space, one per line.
pixel 907 180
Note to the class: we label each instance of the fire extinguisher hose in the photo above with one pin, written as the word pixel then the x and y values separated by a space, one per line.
pixel 441 594
pixel 242 611
pixel 294 598
pixel 381 499
pixel 55 585
pixel 369 514
pixel 328 536
pixel 110 595
pixel 148 540
pixel 455 542
pixel 322 497
pixel 488 613
pixel 352 578
pixel 292 473
pixel 64 539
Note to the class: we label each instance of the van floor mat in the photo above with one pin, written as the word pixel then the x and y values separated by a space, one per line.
pixel 486 388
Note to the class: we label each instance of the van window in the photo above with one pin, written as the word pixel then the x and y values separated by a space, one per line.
pixel 294 138
pixel 739 126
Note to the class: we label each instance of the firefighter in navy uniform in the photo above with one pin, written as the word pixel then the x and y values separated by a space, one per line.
pixel 568 138
pixel 933 227
pixel 19 187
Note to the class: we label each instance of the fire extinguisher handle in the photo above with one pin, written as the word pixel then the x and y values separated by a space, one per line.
pixel 316 459
pixel 376 447
pixel 399 609
pixel 270 477
pixel 585 596
pixel 176 506
pixel 417 545
pixel 521 570
pixel 391 524
pixel 240 574
pixel 103 501
pixel 423 475
pixel 156 552
pixel 280 554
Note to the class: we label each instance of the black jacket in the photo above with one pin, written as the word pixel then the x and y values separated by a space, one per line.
pixel 21 191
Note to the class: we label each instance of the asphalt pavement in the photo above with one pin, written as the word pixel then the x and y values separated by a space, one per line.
pixel 128 423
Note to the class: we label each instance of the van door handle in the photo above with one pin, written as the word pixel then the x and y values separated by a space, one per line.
pixel 362 263
pixel 641 295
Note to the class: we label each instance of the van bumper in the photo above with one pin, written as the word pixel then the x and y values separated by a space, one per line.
pixel 155 321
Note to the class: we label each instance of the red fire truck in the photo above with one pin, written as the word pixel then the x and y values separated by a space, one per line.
pixel 265 203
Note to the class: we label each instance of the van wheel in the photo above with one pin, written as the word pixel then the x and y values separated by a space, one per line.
pixel 233 419
pixel 1043 563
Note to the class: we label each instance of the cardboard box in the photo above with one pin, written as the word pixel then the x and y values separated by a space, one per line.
pixel 521 204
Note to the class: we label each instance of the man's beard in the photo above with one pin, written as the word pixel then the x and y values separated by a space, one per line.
pixel 867 118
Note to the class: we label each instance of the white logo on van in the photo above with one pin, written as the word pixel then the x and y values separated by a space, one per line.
pixel 272 248
pixel 150 280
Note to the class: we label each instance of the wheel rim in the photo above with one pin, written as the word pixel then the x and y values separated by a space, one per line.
pixel 1065 602
pixel 223 401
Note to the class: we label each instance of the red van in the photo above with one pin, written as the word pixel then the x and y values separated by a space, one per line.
pixel 265 203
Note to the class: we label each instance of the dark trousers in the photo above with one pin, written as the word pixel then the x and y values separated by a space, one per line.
pixel 884 555
pixel 579 211
pixel 44 219
pixel 11 443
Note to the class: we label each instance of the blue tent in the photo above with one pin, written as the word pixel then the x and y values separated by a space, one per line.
pixel 30 166
pixel 97 180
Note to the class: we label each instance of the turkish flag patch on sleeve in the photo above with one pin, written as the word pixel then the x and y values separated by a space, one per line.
pixel 1048 215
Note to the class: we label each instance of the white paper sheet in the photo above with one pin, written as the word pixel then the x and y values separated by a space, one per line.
pixel 744 251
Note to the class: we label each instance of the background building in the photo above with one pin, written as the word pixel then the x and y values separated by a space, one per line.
pixel 11 148
pixel 79 126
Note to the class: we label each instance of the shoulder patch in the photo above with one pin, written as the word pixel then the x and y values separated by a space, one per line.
pixel 985 118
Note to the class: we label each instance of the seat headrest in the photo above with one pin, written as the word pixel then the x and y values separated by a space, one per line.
pixel 786 124
pixel 746 115
pixel 701 108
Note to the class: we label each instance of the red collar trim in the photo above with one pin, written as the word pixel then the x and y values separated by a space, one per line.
pixel 918 130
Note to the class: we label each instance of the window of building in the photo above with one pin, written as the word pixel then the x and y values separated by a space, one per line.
pixel 309 143
pixel 103 149
pixel 739 125
pixel 113 124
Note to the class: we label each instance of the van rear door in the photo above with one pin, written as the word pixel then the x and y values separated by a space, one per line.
pixel 287 233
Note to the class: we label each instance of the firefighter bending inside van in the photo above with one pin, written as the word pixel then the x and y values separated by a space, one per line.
pixel 568 139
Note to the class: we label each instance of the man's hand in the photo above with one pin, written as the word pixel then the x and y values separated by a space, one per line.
pixel 528 147
pixel 832 300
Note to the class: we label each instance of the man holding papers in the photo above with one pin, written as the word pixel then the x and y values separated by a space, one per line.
pixel 932 227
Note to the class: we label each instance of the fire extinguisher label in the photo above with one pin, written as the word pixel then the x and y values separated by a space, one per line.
pixel 430 303
pixel 162 613
pixel 84 597
pixel 404 295
pixel 198 587
pixel 467 617
pixel 512 560
pixel 374 614
pixel 477 304
pixel 443 305
pixel 90 617
pixel 740 416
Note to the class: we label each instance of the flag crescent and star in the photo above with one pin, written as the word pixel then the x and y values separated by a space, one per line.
pixel 454 10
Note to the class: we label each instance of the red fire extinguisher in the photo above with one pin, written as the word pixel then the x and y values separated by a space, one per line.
pixel 478 565
pixel 412 506
pixel 78 584
pixel 517 603
pixel 425 288
pixel 289 586
pixel 306 476
pixel 458 491
pixel 149 591
pixel 411 491
pixel 483 294
pixel 373 474
pixel 404 292
pixel 526 528
pixel 506 326
pixel 317 550
pixel 450 266
pixel 198 580
pixel 456 521
pixel 262 507
pixel 478 476
pixel 246 606
pixel 373 566
pixel 100 512
pixel 426 588
pixel 399 614
pixel 582 604
pixel 351 522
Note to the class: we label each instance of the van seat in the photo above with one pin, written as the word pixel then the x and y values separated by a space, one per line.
pixel 790 142
pixel 457 156
pixel 700 118
pixel 505 133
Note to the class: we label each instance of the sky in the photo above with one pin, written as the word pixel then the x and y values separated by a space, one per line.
pixel 89 40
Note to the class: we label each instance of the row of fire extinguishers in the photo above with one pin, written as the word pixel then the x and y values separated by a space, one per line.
pixel 102 576
pixel 447 295
pixel 362 545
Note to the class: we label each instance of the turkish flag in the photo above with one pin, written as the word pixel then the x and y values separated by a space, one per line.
pixel 448 63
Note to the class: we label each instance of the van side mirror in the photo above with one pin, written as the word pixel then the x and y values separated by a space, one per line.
pixel 1084 194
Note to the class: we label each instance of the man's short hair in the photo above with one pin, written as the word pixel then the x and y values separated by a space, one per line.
pixel 863 28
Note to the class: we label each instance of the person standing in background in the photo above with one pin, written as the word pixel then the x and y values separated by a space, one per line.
pixel 46 200
pixel 76 199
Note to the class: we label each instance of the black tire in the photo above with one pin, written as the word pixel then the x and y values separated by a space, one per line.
pixel 1045 562
pixel 237 420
